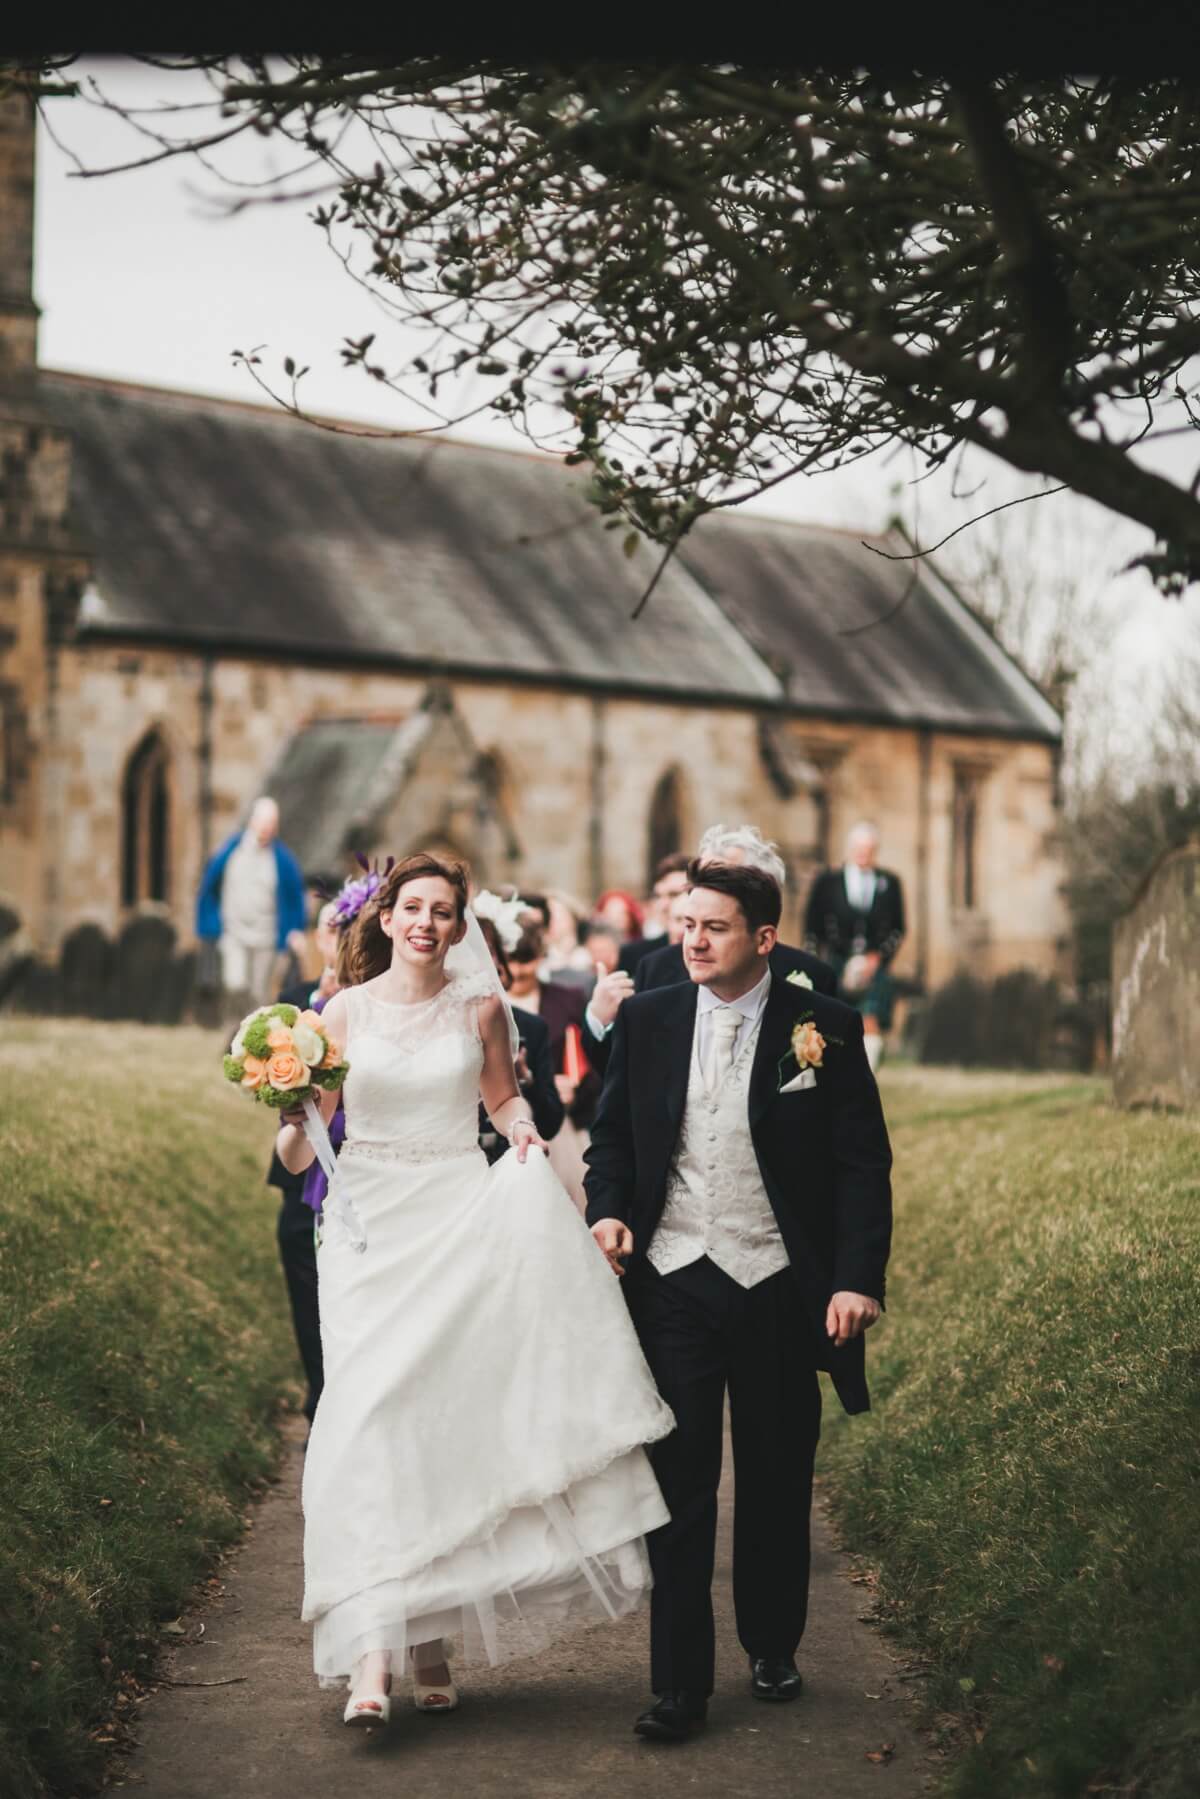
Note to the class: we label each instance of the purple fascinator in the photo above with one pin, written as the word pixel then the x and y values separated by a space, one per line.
pixel 354 893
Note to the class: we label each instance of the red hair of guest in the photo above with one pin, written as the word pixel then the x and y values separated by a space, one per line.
pixel 634 923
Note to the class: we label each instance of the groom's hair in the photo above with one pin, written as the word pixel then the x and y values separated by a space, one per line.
pixel 756 892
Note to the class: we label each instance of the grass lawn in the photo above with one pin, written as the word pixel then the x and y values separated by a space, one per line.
pixel 1028 1486
pixel 144 1344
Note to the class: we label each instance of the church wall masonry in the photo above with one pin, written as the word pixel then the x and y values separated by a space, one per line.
pixel 578 773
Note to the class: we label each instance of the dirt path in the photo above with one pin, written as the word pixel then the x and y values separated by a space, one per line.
pixel 559 1731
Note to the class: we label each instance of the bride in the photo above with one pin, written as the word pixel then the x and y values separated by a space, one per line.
pixel 467 1475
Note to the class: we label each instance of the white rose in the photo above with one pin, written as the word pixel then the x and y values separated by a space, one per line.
pixel 309 1046
pixel 238 1046
pixel 798 978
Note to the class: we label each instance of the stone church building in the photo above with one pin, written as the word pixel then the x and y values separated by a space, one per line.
pixel 416 642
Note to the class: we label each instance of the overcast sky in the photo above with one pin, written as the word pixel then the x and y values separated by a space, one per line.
pixel 140 276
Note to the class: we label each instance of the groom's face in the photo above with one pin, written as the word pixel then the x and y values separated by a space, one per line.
pixel 718 945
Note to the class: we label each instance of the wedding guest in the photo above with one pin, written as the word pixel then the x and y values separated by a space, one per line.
pixel 300 1194
pixel 855 919
pixel 324 983
pixel 561 1008
pixel 670 880
pixel 564 946
pixel 534 1067
pixel 251 904
pixel 622 912
pixel 603 947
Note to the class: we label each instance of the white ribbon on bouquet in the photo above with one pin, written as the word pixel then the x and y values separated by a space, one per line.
pixel 339 1204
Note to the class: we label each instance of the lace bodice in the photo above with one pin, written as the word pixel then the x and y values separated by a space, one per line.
pixel 412 1093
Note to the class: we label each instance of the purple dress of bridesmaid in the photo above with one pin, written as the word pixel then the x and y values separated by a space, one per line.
pixel 315 1185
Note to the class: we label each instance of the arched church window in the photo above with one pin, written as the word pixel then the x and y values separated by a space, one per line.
pixel 493 784
pixel 146 822
pixel 666 823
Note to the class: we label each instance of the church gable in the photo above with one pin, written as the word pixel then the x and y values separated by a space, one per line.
pixel 365 786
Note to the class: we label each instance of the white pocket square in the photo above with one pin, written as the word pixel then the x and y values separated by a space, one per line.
pixel 806 1078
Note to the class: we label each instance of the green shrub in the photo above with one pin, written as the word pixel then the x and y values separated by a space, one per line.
pixel 144 1344
pixel 1029 1483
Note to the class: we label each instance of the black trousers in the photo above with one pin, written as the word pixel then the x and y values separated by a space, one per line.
pixel 702 1335
pixel 298 1253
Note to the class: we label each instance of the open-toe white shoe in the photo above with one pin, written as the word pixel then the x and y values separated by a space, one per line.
pixel 370 1702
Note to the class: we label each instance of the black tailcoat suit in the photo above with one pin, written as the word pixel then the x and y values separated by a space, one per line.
pixel 664 966
pixel 825 1161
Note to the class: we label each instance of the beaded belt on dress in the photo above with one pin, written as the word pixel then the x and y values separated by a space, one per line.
pixel 413 1154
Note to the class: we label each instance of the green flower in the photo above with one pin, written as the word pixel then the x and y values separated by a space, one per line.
pixel 280 1102
pixel 289 1014
pixel 255 1039
pixel 233 1067
pixel 330 1078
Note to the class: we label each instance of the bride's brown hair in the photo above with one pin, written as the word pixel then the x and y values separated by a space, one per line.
pixel 370 952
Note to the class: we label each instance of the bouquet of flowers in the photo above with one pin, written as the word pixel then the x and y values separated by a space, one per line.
pixel 284 1057
pixel 280 1054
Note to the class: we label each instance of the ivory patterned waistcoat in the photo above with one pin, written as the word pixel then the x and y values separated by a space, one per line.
pixel 716 1204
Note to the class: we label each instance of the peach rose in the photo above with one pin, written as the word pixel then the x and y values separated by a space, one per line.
pixel 286 1070
pixel 280 1037
pixel 254 1073
pixel 311 1019
pixel 808 1045
pixel 333 1055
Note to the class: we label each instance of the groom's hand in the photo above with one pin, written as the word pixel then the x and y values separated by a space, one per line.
pixel 848 1315
pixel 616 1240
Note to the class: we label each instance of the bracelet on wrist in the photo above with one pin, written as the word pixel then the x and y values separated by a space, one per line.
pixel 512 1128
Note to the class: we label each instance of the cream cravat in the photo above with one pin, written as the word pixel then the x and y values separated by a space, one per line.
pixel 723 1026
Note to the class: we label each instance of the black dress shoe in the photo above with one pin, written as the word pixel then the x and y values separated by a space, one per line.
pixel 774 1677
pixel 674 1718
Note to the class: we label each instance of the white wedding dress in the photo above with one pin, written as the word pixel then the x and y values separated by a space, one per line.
pixel 475 1469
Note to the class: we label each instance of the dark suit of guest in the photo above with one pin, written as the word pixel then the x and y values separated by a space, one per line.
pixel 539 1090
pixel 837 927
pixel 634 953
pixel 562 1006
pixel 823 1156
pixel 666 968
pixel 834 926
pixel 297 1251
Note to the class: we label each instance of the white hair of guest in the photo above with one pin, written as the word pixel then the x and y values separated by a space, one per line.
pixel 863 832
pixel 264 818
pixel 743 844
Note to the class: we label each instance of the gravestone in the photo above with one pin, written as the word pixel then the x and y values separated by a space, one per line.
pixel 1156 988
pixel 147 980
pixel 86 969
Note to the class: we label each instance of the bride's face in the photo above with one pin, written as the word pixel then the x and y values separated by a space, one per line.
pixel 424 922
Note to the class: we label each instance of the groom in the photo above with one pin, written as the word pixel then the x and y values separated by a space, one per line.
pixel 739 1166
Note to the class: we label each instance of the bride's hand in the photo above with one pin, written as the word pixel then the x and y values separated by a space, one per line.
pixel 525 1136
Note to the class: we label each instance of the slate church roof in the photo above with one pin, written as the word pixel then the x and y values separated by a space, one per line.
pixel 801 594
pixel 215 524
pixel 219 524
